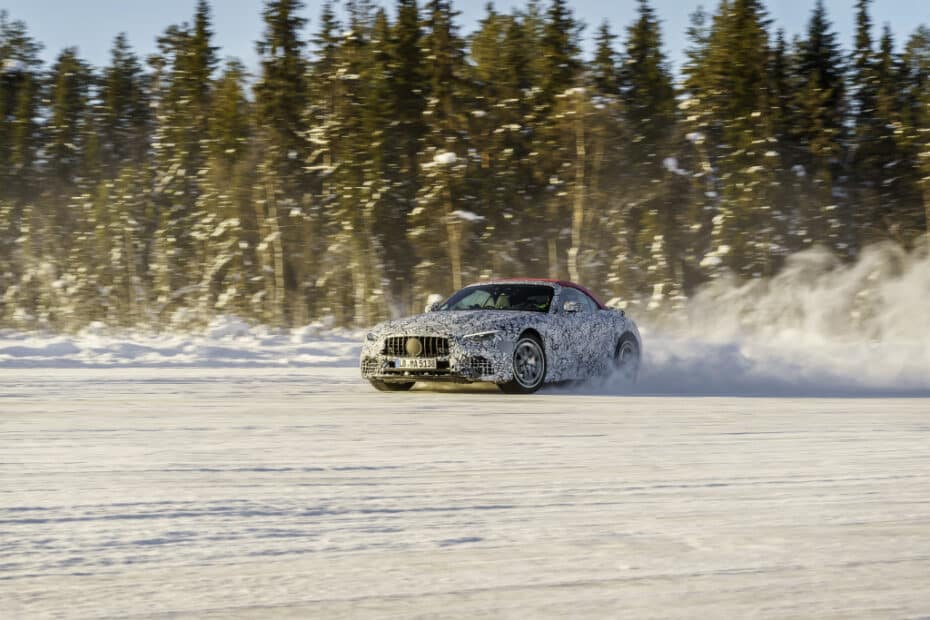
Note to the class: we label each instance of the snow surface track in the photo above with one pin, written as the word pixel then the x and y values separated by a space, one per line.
pixel 154 492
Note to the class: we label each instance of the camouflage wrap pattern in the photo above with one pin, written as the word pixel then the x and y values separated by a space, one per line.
pixel 577 345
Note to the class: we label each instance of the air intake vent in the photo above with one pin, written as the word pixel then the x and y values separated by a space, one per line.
pixel 480 366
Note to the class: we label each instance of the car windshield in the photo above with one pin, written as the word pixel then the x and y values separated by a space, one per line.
pixel 520 297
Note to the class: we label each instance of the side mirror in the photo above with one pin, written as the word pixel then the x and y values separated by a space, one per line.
pixel 571 307
pixel 433 307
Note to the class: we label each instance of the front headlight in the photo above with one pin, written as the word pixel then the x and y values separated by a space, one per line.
pixel 371 337
pixel 489 337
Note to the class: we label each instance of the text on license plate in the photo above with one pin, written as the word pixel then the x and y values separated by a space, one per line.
pixel 415 363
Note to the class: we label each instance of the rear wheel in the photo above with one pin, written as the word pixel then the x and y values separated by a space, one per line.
pixel 389 386
pixel 626 358
pixel 529 367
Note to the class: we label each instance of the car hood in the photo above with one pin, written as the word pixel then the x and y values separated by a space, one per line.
pixel 456 323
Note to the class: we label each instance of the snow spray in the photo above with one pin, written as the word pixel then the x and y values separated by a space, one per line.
pixel 820 327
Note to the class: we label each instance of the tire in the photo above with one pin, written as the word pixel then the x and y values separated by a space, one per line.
pixel 385 386
pixel 529 367
pixel 627 359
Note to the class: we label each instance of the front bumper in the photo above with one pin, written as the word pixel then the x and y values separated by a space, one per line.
pixel 466 362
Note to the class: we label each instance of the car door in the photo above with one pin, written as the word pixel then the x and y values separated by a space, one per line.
pixel 591 331
pixel 574 314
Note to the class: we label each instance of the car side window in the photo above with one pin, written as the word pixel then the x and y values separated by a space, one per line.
pixel 592 307
pixel 571 294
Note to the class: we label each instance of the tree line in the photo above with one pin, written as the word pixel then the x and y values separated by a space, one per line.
pixel 390 156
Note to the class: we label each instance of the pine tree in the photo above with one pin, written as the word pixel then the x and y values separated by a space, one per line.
pixel 500 125
pixel 281 100
pixel 650 111
pixel 605 76
pixel 647 82
pixel 398 101
pixel 886 149
pixel 226 229
pixel 819 130
pixel 867 130
pixel 731 106
pixel 19 104
pixel 409 91
pixel 69 121
pixel 444 158
pixel 281 90
pixel 20 81
pixel 124 109
pixel 560 49
pixel 557 142
pixel 915 125
pixel 70 162
pixel 182 89
pixel 606 236
pixel 862 69
pixel 788 181
pixel 489 129
pixel 119 220
pixel 393 106
pixel 700 105
pixel 883 176
pixel 356 172
pixel 323 136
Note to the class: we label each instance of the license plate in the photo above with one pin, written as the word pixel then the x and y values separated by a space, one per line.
pixel 428 363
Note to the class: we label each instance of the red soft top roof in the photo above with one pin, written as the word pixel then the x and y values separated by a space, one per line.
pixel 565 283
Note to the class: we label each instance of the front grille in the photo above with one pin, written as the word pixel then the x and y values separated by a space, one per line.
pixel 431 346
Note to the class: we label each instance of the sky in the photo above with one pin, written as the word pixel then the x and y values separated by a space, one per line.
pixel 91 25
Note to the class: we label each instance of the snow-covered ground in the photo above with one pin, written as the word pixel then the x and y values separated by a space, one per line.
pixel 226 342
pixel 248 472
pixel 300 492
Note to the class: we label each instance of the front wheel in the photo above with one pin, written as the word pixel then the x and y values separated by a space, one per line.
pixel 626 358
pixel 529 367
pixel 385 386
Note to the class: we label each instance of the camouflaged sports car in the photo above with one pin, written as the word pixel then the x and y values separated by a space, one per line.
pixel 518 334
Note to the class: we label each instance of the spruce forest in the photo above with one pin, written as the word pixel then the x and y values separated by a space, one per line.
pixel 386 156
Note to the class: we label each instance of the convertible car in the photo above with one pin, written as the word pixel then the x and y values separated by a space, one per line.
pixel 519 334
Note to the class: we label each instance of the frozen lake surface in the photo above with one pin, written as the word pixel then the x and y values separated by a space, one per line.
pixel 225 492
